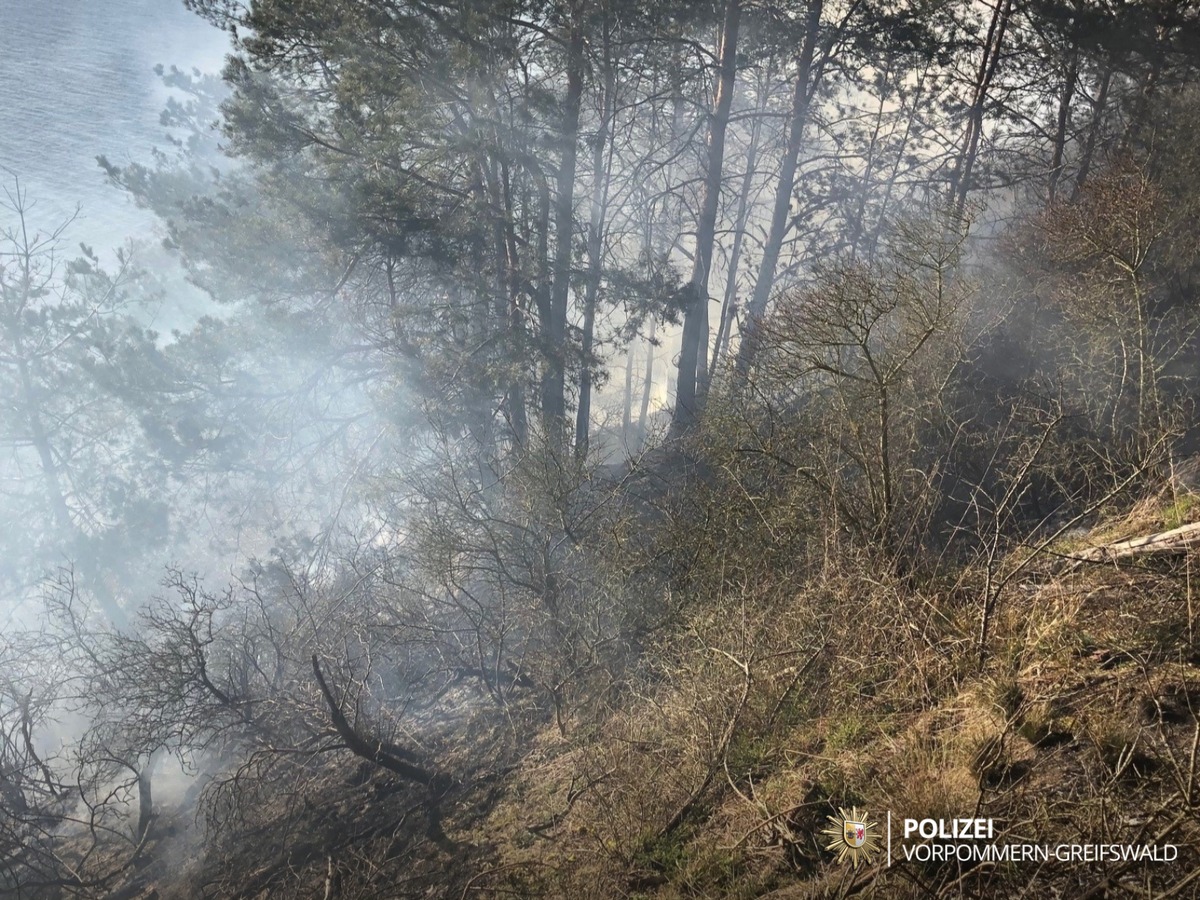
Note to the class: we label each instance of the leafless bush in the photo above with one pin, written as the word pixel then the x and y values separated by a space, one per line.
pixel 850 383
pixel 1107 261
pixel 64 823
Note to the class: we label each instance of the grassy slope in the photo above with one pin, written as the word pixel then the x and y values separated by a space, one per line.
pixel 713 769
pixel 1081 727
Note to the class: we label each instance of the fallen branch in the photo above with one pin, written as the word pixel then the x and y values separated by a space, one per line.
pixel 367 747
pixel 1163 543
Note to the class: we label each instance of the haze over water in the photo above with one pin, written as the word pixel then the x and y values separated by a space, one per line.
pixel 76 81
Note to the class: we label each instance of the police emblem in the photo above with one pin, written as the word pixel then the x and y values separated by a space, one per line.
pixel 856 834
pixel 852 836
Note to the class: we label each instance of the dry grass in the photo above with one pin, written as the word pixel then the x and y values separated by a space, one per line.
pixel 1079 728
pixel 777 700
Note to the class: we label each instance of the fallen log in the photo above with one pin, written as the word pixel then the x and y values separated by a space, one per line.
pixel 1163 543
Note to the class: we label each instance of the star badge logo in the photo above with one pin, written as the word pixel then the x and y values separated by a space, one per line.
pixel 852 836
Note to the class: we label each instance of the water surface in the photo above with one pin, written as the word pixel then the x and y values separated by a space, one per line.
pixel 77 81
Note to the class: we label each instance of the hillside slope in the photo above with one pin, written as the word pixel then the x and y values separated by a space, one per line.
pixel 715 767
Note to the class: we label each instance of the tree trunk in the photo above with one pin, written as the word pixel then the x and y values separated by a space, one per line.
pixel 889 189
pixel 510 316
pixel 648 386
pixel 1060 127
pixel 693 350
pixel 41 443
pixel 55 493
pixel 857 226
pixel 627 407
pixel 729 303
pixel 1136 126
pixel 1089 147
pixel 801 102
pixel 602 143
pixel 145 777
pixel 554 403
pixel 964 167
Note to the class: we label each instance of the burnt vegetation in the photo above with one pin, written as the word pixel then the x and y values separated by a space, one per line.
pixel 626 434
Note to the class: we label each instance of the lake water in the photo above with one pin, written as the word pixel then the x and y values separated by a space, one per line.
pixel 76 81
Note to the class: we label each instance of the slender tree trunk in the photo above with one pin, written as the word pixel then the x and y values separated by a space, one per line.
pixel 887 513
pixel 52 477
pixel 729 303
pixel 889 189
pixel 671 219
pixel 600 150
pixel 554 400
pixel 1137 122
pixel 857 226
pixel 648 385
pixel 693 351
pixel 542 291
pixel 1061 122
pixel 145 778
pixel 518 411
pixel 801 102
pixel 964 167
pixel 627 407
pixel 508 290
pixel 1089 148
pixel 41 443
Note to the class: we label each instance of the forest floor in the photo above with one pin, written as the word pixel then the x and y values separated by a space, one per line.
pixel 1079 727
